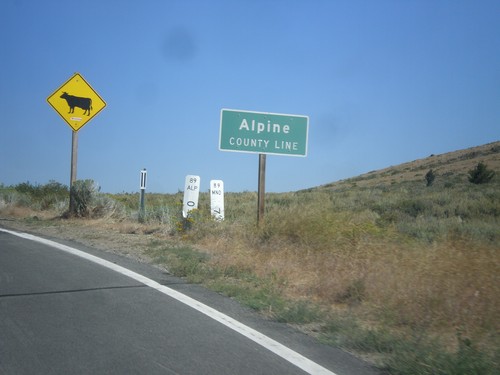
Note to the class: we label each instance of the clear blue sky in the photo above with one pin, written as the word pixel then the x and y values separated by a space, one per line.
pixel 383 82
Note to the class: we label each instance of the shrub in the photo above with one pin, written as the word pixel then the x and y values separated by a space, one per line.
pixel 51 194
pixel 430 177
pixel 44 197
pixel 81 194
pixel 481 174
pixel 86 201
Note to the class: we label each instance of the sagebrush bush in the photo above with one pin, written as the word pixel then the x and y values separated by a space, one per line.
pixel 88 202
pixel 82 194
pixel 430 176
pixel 481 174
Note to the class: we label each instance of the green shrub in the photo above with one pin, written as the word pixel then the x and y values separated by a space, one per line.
pixel 51 194
pixel 430 177
pixel 42 197
pixel 481 174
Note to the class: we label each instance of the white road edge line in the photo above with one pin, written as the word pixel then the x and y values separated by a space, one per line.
pixel 279 349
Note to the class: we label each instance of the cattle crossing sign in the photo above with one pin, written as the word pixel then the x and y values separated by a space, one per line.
pixel 76 102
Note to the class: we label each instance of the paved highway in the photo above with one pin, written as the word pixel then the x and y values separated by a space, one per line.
pixel 68 309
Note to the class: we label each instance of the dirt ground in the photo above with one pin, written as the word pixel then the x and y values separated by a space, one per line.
pixel 127 239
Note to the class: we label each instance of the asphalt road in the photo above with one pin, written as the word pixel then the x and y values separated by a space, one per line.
pixel 64 314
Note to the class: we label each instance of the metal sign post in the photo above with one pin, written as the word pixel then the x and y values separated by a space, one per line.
pixel 142 211
pixel 262 190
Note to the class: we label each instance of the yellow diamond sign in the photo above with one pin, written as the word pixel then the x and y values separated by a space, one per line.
pixel 76 102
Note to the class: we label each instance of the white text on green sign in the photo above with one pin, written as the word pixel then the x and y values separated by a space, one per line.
pixel 263 133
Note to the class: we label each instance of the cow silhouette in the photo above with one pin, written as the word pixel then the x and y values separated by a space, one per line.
pixel 76 101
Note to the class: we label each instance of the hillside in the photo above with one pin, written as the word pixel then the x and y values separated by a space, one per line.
pixel 451 166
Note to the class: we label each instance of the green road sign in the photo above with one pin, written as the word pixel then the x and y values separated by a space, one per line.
pixel 263 133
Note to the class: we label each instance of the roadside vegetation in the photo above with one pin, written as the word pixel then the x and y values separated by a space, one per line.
pixel 404 272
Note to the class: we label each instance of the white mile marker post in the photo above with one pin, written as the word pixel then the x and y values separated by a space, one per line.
pixel 217 199
pixel 191 194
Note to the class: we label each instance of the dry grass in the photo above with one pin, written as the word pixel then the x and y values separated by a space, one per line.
pixel 354 266
pixel 443 286
pixel 412 261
